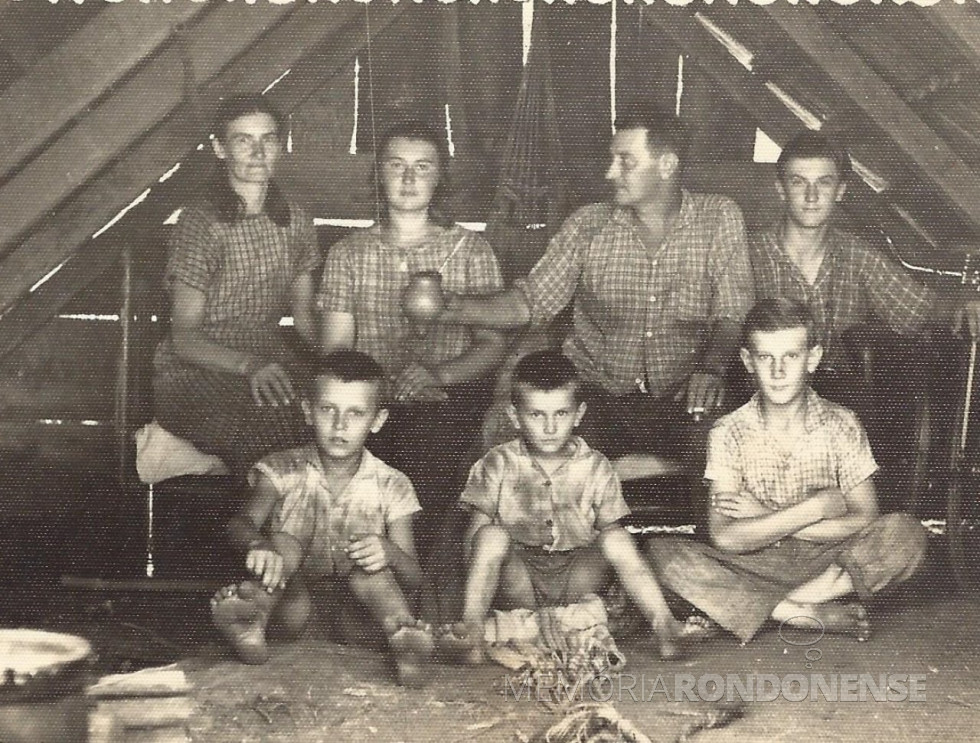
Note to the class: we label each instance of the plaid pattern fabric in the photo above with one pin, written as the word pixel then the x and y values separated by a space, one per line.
pixel 642 315
pixel 246 270
pixel 744 456
pixel 559 512
pixel 854 283
pixel 323 522
pixel 366 277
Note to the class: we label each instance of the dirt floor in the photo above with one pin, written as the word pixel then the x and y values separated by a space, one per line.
pixel 316 690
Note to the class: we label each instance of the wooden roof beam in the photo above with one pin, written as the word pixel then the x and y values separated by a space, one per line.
pixel 314 45
pixel 882 105
pixel 750 91
pixel 140 103
pixel 61 85
pixel 958 23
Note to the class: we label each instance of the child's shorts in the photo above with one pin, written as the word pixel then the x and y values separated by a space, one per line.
pixel 550 571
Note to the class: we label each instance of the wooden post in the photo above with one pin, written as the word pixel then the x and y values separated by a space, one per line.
pixel 123 372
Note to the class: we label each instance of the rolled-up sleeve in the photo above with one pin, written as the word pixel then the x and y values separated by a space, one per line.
pixel 902 302
pixel 194 251
pixel 308 258
pixel 730 266
pixel 724 464
pixel 400 498
pixel 610 505
pixel 482 491
pixel 482 270
pixel 551 284
pixel 337 284
pixel 856 463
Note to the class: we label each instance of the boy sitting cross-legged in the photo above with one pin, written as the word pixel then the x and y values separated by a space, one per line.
pixel 794 521
pixel 545 509
pixel 328 510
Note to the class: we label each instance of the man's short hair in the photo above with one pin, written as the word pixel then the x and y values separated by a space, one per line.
pixel 545 371
pixel 348 366
pixel 778 313
pixel 664 130
pixel 810 144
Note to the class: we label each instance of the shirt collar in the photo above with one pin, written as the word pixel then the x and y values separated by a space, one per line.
pixel 624 215
pixel 815 415
pixel 581 448
pixel 832 239
pixel 367 468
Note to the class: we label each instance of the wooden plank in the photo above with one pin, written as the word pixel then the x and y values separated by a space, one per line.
pixel 959 23
pixel 297 44
pixel 877 99
pixel 85 450
pixel 97 202
pixel 30 30
pixel 140 103
pixel 76 73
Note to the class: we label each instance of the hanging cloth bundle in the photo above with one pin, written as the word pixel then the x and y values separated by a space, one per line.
pixel 528 205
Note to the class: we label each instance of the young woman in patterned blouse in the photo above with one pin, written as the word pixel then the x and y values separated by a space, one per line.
pixel 440 376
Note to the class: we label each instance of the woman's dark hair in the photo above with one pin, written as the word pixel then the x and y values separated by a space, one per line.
pixel 417 130
pixel 227 204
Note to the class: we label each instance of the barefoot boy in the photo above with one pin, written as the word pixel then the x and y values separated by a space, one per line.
pixel 794 517
pixel 546 506
pixel 328 510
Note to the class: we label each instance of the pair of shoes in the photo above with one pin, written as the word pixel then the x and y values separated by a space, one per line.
pixel 411 647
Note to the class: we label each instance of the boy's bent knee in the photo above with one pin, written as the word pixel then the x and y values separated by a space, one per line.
pixel 906 534
pixel 363 584
pixel 617 546
pixel 490 542
pixel 293 611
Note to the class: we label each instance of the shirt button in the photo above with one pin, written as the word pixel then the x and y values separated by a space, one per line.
pixel 653 298
pixel 547 483
pixel 649 334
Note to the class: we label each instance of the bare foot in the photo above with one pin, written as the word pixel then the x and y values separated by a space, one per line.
pixel 461 643
pixel 241 613
pixel 412 646
pixel 835 617
pixel 679 640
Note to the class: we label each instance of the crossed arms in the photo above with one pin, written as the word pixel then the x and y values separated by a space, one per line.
pixel 738 522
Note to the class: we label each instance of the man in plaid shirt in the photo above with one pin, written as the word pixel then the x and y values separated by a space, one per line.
pixel 794 520
pixel 843 280
pixel 659 282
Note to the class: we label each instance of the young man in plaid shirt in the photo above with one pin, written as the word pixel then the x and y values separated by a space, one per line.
pixel 841 278
pixel 659 281
pixel 794 520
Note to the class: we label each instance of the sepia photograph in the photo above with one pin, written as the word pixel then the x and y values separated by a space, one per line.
pixel 507 371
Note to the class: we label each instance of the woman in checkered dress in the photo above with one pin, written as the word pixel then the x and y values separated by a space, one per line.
pixel 227 378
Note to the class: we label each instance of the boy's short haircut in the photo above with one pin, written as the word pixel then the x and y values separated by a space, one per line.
pixel 810 144
pixel 347 366
pixel 545 371
pixel 778 313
